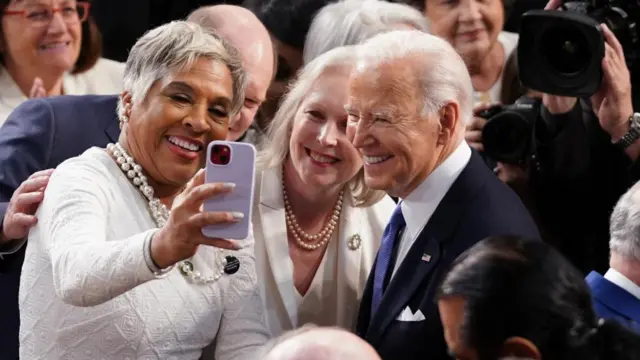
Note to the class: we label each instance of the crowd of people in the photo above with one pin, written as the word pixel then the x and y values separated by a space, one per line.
pixel 379 228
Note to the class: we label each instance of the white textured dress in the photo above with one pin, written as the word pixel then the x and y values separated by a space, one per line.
pixel 87 293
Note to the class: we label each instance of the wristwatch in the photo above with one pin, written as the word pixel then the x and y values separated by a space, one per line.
pixel 632 135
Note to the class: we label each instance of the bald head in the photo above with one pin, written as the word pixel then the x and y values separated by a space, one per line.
pixel 234 23
pixel 245 32
pixel 321 344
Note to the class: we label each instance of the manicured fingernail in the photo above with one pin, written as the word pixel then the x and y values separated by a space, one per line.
pixel 237 215
pixel 228 186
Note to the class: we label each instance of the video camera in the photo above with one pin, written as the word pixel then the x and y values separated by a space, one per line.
pixel 508 134
pixel 561 52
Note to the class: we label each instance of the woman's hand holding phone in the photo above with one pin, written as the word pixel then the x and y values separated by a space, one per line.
pixel 181 236
pixel 231 162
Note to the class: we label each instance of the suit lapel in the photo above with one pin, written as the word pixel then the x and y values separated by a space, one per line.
pixel 274 233
pixel 614 296
pixel 426 253
pixel 423 257
pixel 350 259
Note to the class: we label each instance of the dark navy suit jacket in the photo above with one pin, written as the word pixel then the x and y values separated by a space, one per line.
pixel 476 206
pixel 614 302
pixel 40 134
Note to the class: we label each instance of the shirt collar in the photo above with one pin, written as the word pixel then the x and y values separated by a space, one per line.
pixel 622 281
pixel 422 202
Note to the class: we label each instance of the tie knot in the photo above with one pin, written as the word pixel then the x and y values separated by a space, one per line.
pixel 397 218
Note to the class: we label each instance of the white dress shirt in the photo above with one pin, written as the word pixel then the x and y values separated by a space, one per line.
pixel 421 203
pixel 622 281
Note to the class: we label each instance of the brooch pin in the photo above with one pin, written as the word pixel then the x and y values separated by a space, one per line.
pixel 354 242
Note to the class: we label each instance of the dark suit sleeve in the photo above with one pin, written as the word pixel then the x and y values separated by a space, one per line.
pixel 26 140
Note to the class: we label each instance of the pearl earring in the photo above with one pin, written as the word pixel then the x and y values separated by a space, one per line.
pixel 124 118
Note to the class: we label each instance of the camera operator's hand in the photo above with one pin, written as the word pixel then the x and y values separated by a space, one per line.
pixel 473 133
pixel 553 4
pixel 557 105
pixel 612 103
pixel 512 174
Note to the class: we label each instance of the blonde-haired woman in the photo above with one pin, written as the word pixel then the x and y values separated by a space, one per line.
pixel 316 224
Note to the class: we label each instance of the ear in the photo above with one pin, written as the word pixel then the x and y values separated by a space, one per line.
pixel 449 116
pixel 520 347
pixel 127 102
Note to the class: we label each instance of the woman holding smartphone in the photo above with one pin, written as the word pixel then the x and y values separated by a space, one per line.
pixel 119 232
pixel 316 224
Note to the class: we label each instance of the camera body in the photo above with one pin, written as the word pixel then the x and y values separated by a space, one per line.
pixel 561 52
pixel 508 134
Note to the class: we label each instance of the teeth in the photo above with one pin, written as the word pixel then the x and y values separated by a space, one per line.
pixel 375 159
pixel 53 46
pixel 321 158
pixel 183 144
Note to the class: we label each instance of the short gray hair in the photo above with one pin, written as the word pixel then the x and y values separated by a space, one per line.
pixel 173 47
pixel 351 22
pixel 624 227
pixel 274 148
pixel 444 75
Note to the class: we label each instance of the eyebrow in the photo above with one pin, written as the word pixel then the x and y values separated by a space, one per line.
pixel 382 113
pixel 180 85
pixel 40 2
pixel 183 86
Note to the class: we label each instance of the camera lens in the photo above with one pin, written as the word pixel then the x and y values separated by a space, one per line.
pixel 565 50
pixel 506 137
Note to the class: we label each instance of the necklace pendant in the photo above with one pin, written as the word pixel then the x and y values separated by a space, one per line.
pixel 354 242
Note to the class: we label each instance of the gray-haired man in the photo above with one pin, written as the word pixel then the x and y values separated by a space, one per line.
pixel 617 294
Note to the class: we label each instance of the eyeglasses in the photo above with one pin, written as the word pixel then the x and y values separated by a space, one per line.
pixel 41 15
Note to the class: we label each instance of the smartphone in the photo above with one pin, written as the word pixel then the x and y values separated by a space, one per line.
pixel 231 162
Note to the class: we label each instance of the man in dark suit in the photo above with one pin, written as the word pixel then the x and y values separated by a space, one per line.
pixel 410 96
pixel 40 134
pixel 616 295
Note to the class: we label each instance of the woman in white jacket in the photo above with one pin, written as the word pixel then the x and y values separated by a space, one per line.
pixel 110 272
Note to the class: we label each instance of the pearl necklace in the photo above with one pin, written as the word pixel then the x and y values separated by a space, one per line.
pixel 159 211
pixel 299 234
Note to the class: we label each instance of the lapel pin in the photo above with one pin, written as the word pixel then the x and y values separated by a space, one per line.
pixel 232 265
pixel 426 257
pixel 354 242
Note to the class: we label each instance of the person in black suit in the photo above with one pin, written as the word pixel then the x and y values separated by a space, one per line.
pixel 409 99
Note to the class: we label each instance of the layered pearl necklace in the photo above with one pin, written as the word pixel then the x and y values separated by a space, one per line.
pixel 298 234
pixel 159 211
